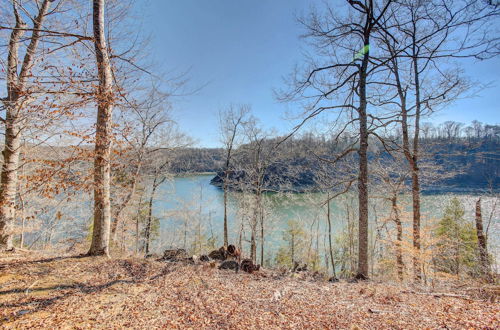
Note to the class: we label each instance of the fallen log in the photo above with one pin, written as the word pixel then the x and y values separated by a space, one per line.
pixel 220 254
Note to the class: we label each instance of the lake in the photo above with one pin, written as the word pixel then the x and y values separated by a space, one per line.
pixel 191 209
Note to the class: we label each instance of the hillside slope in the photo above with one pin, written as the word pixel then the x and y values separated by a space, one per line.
pixel 41 292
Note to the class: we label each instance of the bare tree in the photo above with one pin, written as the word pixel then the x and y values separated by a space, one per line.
pixel 15 102
pixel 23 89
pixel 391 173
pixel 230 124
pixel 140 124
pixel 482 242
pixel 251 176
pixel 158 178
pixel 416 36
pixel 103 140
pixel 337 78
pixel 158 158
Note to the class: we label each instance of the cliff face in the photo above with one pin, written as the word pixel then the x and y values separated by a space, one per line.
pixel 468 165
pixel 476 162
pixel 278 177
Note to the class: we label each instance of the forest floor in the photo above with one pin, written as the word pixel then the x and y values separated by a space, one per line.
pixel 37 291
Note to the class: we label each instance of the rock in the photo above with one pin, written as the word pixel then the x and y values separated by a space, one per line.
pixel 248 266
pixel 230 264
pixel 220 254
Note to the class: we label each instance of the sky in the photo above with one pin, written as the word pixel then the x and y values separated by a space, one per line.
pixel 238 51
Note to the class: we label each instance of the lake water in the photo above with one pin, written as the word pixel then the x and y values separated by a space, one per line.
pixel 189 207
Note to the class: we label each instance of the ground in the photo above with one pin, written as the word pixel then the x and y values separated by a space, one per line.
pixel 37 291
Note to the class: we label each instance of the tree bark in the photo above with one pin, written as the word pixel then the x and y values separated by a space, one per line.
pixel 103 140
pixel 262 237
pixel 328 216
pixel 226 243
pixel 9 179
pixel 482 242
pixel 411 154
pixel 415 170
pixel 150 217
pixel 363 169
pixel 253 248
pixel 16 85
pixel 399 238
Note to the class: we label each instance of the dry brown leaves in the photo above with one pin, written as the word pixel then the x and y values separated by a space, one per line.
pixel 84 293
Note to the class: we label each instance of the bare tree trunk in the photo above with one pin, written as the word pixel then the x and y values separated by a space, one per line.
pixel 13 119
pixel 262 238
pixel 399 238
pixel 363 170
pixel 150 215
pixel 226 243
pixel 240 238
pixel 253 248
pixel 23 220
pixel 261 222
pixel 137 235
pixel 328 213
pixel 482 242
pixel 119 209
pixel 9 179
pixel 253 225
pixel 102 204
pixel 415 189
pixel 412 158
pixel 137 225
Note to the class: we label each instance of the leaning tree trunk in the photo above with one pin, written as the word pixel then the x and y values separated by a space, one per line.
pixel 102 205
pixel 16 85
pixel 482 242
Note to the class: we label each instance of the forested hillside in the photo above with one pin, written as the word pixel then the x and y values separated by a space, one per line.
pixel 465 162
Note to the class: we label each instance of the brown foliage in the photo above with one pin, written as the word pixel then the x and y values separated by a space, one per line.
pixel 74 292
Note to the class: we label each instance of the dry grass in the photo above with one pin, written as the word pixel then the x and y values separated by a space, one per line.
pixel 67 292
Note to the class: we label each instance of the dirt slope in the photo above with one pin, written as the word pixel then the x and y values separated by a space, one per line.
pixel 84 293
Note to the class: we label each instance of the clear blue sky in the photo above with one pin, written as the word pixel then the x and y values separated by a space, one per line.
pixel 239 50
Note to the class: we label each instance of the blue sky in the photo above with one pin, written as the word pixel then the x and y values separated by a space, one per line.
pixel 239 50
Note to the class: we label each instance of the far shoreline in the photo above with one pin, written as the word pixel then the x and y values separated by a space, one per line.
pixel 431 190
